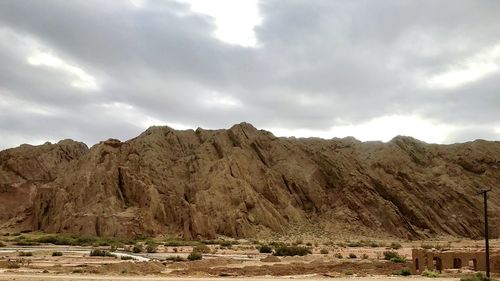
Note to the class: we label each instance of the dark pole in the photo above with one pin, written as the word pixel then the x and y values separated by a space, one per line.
pixel 486 232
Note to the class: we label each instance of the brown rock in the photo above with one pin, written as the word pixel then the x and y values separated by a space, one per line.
pixel 242 182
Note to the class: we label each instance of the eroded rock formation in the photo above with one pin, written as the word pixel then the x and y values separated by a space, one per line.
pixel 243 182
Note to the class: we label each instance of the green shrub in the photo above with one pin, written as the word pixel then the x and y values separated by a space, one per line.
pixel 137 248
pixel 202 249
pixel 388 255
pixel 403 272
pixel 352 256
pixel 354 244
pixel 395 246
pixel 25 254
pixel 374 245
pixel 398 259
pixel 339 256
pixel 265 249
pixel 292 251
pixel 430 273
pixel 175 258
pixel 57 254
pixel 195 256
pixel 101 253
pixel 477 277
pixel 427 246
pixel 126 258
pixel 323 251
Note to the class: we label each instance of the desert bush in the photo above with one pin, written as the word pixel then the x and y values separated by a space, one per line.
pixel 352 256
pixel 138 248
pixel 193 256
pixel 364 256
pixel 354 244
pixel 388 255
pixel 13 265
pixel 292 251
pixel 2 244
pixel 57 254
pixel 398 259
pixel 175 258
pixel 477 277
pixel 374 245
pixel 339 256
pixel 395 246
pixel 101 253
pixel 25 254
pixel 265 249
pixel 430 273
pixel 323 251
pixel 126 258
pixel 309 244
pixel 403 272
pixel 151 248
pixel 202 249
pixel 298 242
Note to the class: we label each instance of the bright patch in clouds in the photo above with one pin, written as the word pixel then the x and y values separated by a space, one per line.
pixel 81 79
pixel 383 128
pixel 215 99
pixel 235 20
pixel 470 70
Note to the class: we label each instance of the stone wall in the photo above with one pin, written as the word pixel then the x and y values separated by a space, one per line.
pixel 439 260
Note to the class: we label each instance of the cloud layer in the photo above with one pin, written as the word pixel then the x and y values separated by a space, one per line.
pixel 90 70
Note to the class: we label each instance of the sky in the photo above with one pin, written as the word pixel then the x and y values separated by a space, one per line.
pixel 90 70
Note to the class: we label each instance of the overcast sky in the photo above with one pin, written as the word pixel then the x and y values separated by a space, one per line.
pixel 92 70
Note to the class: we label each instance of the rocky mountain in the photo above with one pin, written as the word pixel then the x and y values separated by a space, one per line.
pixel 244 182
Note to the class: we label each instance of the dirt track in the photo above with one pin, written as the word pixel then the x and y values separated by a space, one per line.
pixel 23 277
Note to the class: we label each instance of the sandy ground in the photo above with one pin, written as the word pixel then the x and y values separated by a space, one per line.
pixel 20 277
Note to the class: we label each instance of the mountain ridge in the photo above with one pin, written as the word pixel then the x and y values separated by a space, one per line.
pixel 244 182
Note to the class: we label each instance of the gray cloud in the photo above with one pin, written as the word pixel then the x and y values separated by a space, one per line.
pixel 319 63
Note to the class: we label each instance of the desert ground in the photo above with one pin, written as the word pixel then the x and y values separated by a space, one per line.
pixel 34 256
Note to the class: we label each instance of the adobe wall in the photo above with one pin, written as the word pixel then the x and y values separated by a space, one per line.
pixel 436 260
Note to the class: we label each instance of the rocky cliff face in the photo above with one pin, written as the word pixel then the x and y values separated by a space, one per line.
pixel 243 182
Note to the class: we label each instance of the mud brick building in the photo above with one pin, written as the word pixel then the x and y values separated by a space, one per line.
pixel 439 260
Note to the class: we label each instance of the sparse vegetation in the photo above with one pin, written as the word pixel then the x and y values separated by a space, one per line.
pixel 151 248
pixel 25 254
pixel 477 277
pixel 430 274
pixel 138 248
pixel 202 249
pixel 292 251
pixel 265 249
pixel 101 253
pixel 395 246
pixel 364 256
pixel 57 254
pixel 323 251
pixel 175 258
pixel 193 256
pixel 339 256
pixel 352 256
pixel 403 272
pixel 2 244
pixel 388 255
pixel 126 258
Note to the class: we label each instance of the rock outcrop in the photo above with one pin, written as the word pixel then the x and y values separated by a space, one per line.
pixel 244 182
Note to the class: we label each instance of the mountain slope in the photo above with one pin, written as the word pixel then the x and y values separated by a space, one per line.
pixel 244 182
